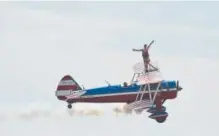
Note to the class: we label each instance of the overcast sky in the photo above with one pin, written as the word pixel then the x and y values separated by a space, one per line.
pixel 93 41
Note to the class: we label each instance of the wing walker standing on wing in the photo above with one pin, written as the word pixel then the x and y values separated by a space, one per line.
pixel 146 58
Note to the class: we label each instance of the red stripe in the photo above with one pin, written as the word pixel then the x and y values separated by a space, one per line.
pixel 67 87
pixel 67 77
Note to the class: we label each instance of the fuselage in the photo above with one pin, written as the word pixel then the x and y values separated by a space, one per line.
pixel 120 93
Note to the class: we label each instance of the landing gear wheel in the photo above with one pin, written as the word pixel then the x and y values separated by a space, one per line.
pixel 69 106
pixel 161 120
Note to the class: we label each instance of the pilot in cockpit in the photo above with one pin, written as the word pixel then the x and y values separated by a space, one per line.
pixel 125 84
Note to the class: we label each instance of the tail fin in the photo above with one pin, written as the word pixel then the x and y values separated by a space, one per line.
pixel 66 85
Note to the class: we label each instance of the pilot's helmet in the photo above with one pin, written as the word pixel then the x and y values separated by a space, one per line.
pixel 125 84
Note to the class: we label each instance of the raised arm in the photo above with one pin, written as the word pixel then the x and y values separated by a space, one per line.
pixel 148 46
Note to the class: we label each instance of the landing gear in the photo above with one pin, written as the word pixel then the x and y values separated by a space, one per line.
pixel 161 120
pixel 153 109
pixel 159 116
pixel 69 106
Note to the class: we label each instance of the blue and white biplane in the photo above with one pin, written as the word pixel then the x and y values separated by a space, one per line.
pixel 146 91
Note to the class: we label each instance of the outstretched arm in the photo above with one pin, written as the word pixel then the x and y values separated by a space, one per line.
pixel 137 49
pixel 148 46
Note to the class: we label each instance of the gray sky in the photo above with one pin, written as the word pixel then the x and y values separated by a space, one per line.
pixel 93 41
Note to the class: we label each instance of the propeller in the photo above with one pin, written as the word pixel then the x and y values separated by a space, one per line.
pixel 177 86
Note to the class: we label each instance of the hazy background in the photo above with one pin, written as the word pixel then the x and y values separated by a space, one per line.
pixel 93 41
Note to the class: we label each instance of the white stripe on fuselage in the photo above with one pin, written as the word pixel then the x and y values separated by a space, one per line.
pixel 112 94
pixel 126 93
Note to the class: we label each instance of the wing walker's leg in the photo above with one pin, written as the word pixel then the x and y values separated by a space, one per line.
pixel 146 68
pixel 145 64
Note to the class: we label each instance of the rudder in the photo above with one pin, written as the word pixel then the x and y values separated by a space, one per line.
pixel 65 87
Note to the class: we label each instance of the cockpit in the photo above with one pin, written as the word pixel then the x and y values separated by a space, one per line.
pixel 125 84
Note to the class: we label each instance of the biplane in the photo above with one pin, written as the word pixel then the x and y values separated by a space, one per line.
pixel 146 91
